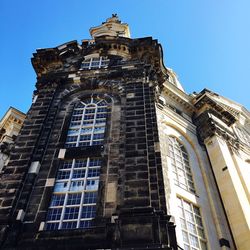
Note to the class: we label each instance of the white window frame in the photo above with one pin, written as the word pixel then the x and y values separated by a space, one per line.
pixel 87 129
pixel 68 190
pixel 191 225
pixel 95 63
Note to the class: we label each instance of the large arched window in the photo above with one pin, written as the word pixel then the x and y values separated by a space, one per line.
pixel 73 202
pixel 180 165
pixel 87 124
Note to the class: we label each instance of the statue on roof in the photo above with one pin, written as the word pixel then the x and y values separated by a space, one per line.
pixel 113 19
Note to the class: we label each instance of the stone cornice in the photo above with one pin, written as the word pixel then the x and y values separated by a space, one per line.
pixel 12 116
pixel 67 58
pixel 205 102
pixel 208 126
pixel 179 96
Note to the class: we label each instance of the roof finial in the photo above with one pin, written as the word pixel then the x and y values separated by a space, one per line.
pixel 112 27
pixel 113 19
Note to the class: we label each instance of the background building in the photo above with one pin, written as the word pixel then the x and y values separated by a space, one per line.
pixel 114 154
pixel 10 126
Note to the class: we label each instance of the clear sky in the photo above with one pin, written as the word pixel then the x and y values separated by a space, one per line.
pixel 207 43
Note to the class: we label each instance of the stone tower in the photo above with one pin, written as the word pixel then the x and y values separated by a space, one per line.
pixel 114 154
pixel 86 172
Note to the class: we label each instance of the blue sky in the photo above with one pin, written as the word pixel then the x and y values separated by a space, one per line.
pixel 207 43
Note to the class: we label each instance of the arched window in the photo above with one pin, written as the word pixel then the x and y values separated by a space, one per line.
pixel 87 124
pixel 73 202
pixel 180 165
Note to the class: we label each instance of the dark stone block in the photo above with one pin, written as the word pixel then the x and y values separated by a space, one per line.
pixel 130 176
pixel 142 175
pixel 137 202
pixel 7 202
pixel 224 242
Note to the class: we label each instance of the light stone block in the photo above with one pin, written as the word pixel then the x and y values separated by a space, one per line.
pixel 20 215
pixel 34 167
pixel 50 182
pixel 61 154
pixel 42 226
pixel 130 95
pixel 111 192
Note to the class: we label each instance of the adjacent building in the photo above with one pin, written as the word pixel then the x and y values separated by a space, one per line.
pixel 113 154
pixel 10 126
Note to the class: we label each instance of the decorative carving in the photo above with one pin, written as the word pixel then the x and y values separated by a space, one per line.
pixel 208 127
pixel 6 147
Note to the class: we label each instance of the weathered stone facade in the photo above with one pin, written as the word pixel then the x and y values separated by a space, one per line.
pixel 131 207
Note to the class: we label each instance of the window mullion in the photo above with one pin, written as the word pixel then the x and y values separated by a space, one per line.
pixel 81 126
pixel 86 174
pixel 80 208
pixel 100 62
pixel 93 126
pixel 66 194
pixel 82 195
pixel 90 63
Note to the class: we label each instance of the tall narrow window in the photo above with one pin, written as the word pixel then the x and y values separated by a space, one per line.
pixel 180 165
pixel 191 225
pixel 87 124
pixel 73 202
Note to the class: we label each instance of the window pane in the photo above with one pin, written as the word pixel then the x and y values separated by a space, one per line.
pixel 101 115
pixel 80 173
pixel 66 165
pixel 85 224
pixel 71 213
pixel 74 199
pixel 94 162
pixel 194 241
pixel 90 197
pixel 90 111
pixel 76 185
pixel 57 200
pixel 88 212
pixel 85 137
pixel 60 187
pixel 69 225
pixel 63 175
pixel 92 184
pixel 71 139
pixel 89 117
pixel 54 214
pixel 94 172
pixel 100 142
pixel 52 226
pixel 80 163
